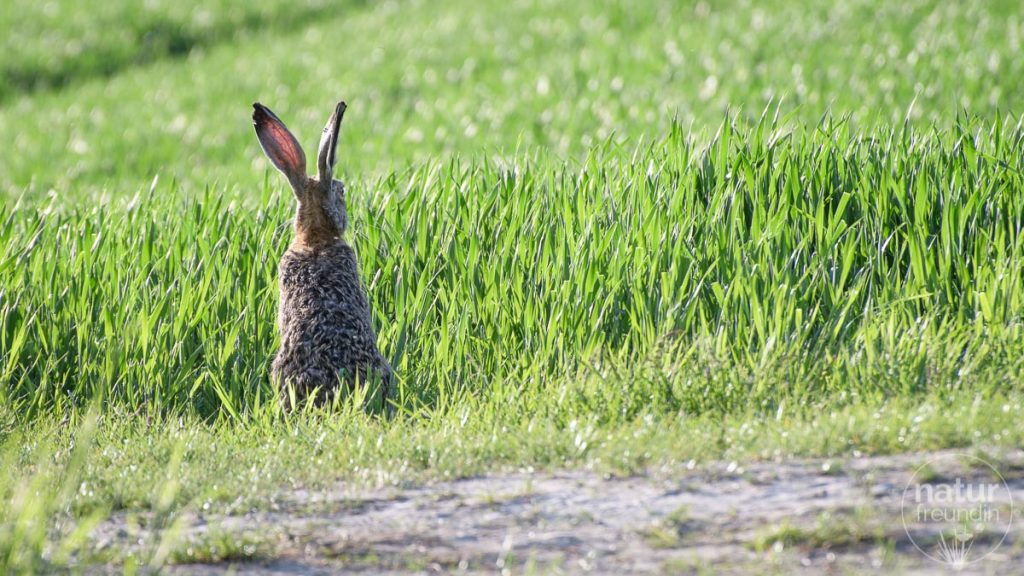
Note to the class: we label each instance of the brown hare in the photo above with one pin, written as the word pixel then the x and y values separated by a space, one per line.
pixel 327 339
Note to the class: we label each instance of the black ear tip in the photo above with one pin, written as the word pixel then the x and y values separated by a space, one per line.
pixel 261 112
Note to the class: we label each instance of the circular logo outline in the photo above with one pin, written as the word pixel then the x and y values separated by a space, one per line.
pixel 910 483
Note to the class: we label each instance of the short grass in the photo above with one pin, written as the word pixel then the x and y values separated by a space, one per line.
pixel 51 45
pixel 575 254
pixel 836 529
pixel 426 79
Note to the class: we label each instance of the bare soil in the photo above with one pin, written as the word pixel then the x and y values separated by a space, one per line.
pixel 810 516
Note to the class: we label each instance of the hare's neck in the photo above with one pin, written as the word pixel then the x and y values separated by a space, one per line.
pixel 311 240
pixel 313 230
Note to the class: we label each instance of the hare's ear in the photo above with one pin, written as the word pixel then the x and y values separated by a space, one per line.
pixel 328 144
pixel 279 145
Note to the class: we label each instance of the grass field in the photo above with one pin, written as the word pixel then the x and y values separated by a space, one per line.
pixel 594 235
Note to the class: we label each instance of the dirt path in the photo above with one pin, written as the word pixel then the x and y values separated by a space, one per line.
pixel 837 516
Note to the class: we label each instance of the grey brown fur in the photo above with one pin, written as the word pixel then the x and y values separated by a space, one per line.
pixel 327 338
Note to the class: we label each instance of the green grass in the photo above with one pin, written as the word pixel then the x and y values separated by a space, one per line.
pixel 836 529
pixel 575 255
pixel 483 79
pixel 769 269
pixel 50 45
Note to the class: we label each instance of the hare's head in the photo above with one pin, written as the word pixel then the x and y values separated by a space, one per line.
pixel 320 218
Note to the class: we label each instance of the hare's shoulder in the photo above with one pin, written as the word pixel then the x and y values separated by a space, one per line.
pixel 331 264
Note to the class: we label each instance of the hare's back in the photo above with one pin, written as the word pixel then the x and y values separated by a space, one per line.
pixel 321 292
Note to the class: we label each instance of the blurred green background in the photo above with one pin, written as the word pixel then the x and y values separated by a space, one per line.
pixel 98 97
